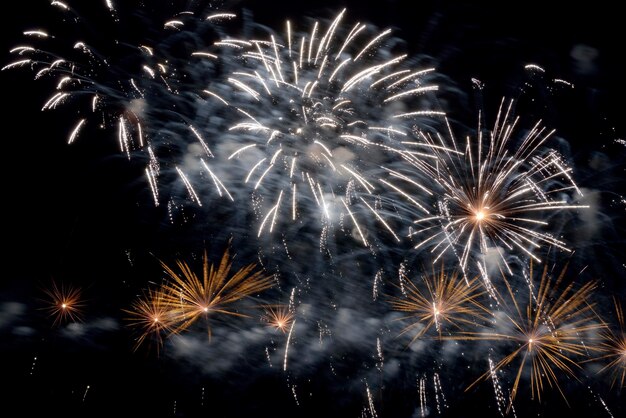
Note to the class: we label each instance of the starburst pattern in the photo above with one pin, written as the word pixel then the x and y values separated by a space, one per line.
pixel 65 303
pixel 189 296
pixel 278 317
pixel 613 346
pixel 151 317
pixel 546 331
pixel 439 300
pixel 492 192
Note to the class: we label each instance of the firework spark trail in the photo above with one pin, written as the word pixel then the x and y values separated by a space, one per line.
pixel 493 193
pixel 441 403
pixel 305 119
pixel 440 399
pixel 144 86
pixel 370 401
pixel 422 395
pixel 287 346
pixel 501 399
pixel 32 367
pixel 85 394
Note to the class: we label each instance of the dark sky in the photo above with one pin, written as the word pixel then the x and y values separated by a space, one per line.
pixel 82 214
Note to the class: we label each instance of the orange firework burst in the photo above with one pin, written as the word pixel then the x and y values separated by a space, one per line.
pixel 189 297
pixel 65 303
pixel 614 347
pixel 445 298
pixel 278 317
pixel 547 331
pixel 151 316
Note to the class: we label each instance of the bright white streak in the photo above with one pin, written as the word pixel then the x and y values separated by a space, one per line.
pixel 75 131
pixel 287 345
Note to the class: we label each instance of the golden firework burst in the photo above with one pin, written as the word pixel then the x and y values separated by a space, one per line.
pixel 613 346
pixel 65 303
pixel 189 297
pixel 441 298
pixel 278 317
pixel 151 316
pixel 547 331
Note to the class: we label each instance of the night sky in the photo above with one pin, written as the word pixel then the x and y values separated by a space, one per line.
pixel 82 215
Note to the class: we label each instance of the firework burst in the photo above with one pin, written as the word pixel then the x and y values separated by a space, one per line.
pixel 278 317
pixel 188 297
pixel 135 85
pixel 547 331
pixel 613 346
pixel 440 299
pixel 65 303
pixel 490 194
pixel 317 112
pixel 152 318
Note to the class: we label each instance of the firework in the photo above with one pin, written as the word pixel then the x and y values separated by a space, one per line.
pixel 440 299
pixel 134 86
pixel 189 297
pixel 151 317
pixel 614 348
pixel 493 194
pixel 315 114
pixel 65 303
pixel 546 331
pixel 278 317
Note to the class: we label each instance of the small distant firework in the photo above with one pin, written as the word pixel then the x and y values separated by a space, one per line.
pixel 614 348
pixel 317 113
pixel 490 193
pixel 65 303
pixel 440 299
pixel 150 315
pixel 278 317
pixel 189 297
pixel 547 331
